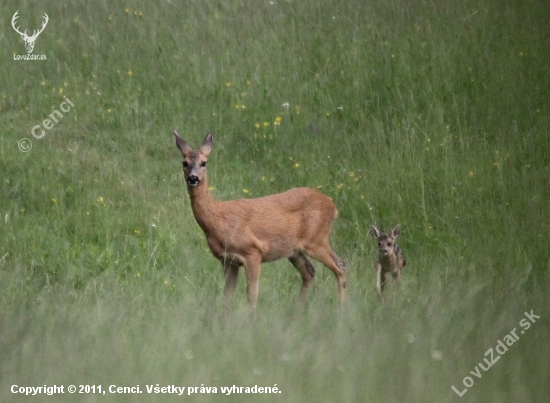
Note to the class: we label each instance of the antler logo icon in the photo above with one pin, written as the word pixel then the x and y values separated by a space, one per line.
pixel 29 40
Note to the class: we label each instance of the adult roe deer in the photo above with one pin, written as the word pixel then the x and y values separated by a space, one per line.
pixel 247 232
pixel 391 258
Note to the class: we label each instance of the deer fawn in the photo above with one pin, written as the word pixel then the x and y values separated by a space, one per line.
pixel 247 232
pixel 391 258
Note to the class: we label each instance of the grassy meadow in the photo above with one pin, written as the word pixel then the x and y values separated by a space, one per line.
pixel 431 114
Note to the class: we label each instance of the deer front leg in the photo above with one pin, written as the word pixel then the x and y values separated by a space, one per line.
pixel 252 270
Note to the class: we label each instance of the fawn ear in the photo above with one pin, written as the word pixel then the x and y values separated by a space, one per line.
pixel 207 144
pixel 374 231
pixel 182 144
pixel 396 231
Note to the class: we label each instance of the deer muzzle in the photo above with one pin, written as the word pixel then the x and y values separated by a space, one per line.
pixel 193 180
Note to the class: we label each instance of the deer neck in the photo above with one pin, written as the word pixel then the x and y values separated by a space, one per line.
pixel 203 205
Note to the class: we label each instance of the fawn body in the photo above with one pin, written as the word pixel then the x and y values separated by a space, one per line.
pixel 247 232
pixel 391 258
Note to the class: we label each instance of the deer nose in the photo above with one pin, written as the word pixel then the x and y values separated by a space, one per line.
pixel 193 180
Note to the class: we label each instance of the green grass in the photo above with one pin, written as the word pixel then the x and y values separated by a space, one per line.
pixel 430 114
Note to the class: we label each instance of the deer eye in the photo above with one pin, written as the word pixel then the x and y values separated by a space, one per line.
pixel 389 243
pixel 203 164
pixel 185 164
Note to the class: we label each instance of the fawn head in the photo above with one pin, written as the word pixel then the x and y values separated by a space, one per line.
pixel 386 243
pixel 194 161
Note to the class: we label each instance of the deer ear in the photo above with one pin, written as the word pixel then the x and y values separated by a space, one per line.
pixel 181 144
pixel 396 231
pixel 374 231
pixel 207 144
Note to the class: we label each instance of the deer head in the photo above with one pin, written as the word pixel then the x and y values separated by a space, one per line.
pixel 194 162
pixel 29 40
pixel 386 243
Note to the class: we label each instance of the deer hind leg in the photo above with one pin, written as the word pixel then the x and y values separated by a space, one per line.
pixel 231 273
pixel 325 255
pixel 380 279
pixel 397 278
pixel 307 271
